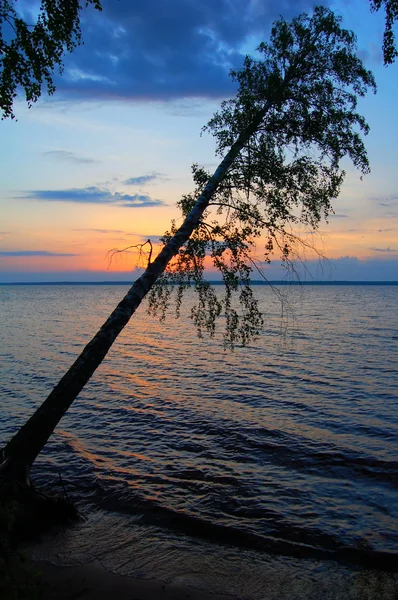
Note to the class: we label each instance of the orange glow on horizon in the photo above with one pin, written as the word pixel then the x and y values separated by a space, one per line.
pixel 88 245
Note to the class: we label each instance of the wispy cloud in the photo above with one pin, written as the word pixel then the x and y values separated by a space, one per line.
pixel 144 179
pixel 154 239
pixel 71 157
pixel 371 54
pixel 92 195
pixel 385 250
pixel 103 231
pixel 208 166
pixel 362 230
pixel 387 201
pixel 338 216
pixel 142 237
pixel 382 268
pixel 26 253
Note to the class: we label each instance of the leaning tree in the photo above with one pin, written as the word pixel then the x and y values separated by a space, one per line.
pixel 283 138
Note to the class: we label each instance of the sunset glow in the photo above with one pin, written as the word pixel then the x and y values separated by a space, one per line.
pixel 94 169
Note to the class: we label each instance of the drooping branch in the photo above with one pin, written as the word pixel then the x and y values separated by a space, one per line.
pixel 140 247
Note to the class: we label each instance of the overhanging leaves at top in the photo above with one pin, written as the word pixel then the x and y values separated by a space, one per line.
pixel 390 52
pixel 29 53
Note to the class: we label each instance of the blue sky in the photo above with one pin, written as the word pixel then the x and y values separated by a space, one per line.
pixel 101 164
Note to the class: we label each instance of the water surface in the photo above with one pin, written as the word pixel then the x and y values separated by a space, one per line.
pixel 282 455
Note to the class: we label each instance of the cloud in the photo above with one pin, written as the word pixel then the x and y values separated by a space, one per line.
pixel 154 239
pixel 371 55
pixel 26 253
pixel 384 230
pixel 345 268
pixel 208 166
pixel 385 250
pixel 92 195
pixel 140 200
pixel 157 50
pixel 187 107
pixel 143 237
pixel 144 179
pixel 337 216
pixel 72 157
pixel 387 201
pixel 348 268
pixel 104 231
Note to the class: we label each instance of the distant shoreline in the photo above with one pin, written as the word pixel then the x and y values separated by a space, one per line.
pixel 275 282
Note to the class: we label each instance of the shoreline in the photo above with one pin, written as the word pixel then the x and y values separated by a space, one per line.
pixel 91 581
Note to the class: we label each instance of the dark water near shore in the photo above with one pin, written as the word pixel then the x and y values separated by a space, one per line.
pixel 176 448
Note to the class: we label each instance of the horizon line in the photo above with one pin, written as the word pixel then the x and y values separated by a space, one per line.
pixel 214 282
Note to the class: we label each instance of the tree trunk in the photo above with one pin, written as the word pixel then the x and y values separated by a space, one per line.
pixel 21 451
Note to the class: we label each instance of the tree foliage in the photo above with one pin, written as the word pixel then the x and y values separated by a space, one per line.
pixel 390 52
pixel 30 53
pixel 286 175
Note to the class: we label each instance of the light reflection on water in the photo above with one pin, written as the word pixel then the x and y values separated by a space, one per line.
pixel 294 438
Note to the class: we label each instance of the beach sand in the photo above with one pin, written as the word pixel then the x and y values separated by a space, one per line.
pixel 92 582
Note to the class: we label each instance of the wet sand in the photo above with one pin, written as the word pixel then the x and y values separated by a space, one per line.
pixel 92 582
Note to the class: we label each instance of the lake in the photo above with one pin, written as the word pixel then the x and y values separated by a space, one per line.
pixel 270 467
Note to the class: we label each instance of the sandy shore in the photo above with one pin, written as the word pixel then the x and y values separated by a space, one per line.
pixel 92 582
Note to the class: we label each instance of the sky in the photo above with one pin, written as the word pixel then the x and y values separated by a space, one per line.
pixel 101 164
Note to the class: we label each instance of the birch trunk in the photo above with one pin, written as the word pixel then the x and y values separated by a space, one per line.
pixel 21 451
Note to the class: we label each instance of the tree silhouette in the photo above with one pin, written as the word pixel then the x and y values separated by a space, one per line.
pixel 283 137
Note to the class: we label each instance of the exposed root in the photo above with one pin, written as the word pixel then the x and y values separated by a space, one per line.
pixel 25 513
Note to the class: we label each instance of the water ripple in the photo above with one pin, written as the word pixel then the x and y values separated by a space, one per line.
pixel 289 446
